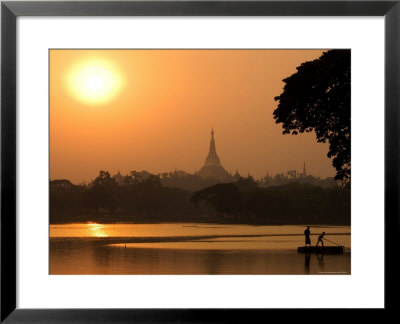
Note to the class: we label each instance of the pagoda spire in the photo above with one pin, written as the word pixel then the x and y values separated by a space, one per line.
pixel 212 167
pixel 212 157
pixel 213 150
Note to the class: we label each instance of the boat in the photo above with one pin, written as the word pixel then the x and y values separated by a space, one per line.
pixel 321 249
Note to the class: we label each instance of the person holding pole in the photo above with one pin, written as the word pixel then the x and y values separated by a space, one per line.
pixel 320 239
pixel 307 236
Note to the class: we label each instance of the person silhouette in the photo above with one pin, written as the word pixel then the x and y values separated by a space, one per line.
pixel 307 236
pixel 320 239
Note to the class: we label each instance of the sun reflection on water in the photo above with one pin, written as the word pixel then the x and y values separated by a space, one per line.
pixel 97 230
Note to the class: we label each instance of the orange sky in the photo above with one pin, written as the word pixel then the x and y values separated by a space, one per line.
pixel 162 116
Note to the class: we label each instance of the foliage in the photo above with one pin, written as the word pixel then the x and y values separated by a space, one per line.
pixel 104 179
pixel 317 98
pixel 141 198
pixel 147 200
pixel 287 204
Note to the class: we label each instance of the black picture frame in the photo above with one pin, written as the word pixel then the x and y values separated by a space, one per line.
pixel 11 10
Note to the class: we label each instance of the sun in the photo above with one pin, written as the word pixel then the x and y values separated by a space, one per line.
pixel 94 81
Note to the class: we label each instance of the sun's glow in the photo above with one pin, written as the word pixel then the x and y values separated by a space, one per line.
pixel 95 81
pixel 96 230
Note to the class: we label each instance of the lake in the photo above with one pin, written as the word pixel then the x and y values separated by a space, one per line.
pixel 187 248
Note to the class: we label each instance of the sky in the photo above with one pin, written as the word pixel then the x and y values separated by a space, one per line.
pixel 154 109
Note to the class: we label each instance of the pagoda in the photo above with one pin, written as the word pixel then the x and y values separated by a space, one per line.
pixel 212 167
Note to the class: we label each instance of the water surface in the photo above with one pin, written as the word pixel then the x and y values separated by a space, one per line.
pixel 192 249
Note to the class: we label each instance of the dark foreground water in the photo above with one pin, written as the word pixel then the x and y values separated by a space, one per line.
pixel 192 249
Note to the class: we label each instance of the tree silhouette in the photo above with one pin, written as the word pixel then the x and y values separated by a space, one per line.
pixel 102 193
pixel 317 98
pixel 240 202
pixel 98 197
pixel 223 197
pixel 132 178
pixel 104 179
pixel 246 183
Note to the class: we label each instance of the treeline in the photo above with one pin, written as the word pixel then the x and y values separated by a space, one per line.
pixel 293 203
pixel 137 200
pixel 147 200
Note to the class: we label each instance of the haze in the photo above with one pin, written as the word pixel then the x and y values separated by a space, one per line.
pixel 161 117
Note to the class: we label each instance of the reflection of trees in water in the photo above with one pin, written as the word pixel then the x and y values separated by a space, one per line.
pixel 148 260
pixel 92 257
pixel 175 261
pixel 242 262
pixel 212 262
pixel 102 256
pixel 61 248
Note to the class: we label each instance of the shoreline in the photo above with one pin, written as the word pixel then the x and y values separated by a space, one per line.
pixel 108 222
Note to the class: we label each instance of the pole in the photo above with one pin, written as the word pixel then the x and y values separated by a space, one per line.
pixel 331 241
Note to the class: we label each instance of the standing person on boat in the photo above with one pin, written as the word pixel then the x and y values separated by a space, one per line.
pixel 320 239
pixel 307 236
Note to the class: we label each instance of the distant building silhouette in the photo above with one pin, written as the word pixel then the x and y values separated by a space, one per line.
pixel 291 174
pixel 119 178
pixel 60 184
pixel 211 173
pixel 212 167
pixel 304 169
pixel 294 176
pixel 236 176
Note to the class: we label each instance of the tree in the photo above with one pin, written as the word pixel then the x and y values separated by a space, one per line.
pixel 246 183
pixel 225 198
pixel 153 181
pixel 317 98
pixel 104 179
pixel 102 194
pixel 132 178
pixel 97 198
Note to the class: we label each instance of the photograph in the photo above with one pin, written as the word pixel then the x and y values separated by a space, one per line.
pixel 199 161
